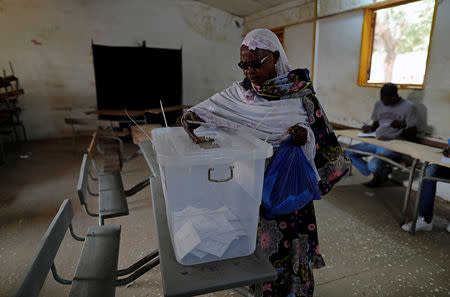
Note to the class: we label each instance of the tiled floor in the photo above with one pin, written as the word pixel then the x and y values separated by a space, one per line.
pixel 366 252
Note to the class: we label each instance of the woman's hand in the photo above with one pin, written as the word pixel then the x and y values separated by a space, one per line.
pixel 299 135
pixel 191 116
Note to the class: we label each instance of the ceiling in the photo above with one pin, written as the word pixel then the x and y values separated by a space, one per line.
pixel 243 8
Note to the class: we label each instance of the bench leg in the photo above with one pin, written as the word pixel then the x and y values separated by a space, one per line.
pixel 24 133
pixel 58 278
pixel 244 291
pixel 2 153
pixel 258 290
pixel 138 264
pixel 138 273
pixel 137 187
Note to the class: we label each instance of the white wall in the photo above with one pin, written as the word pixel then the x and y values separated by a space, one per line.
pixel 436 96
pixel 48 42
pixel 299 53
pixel 337 66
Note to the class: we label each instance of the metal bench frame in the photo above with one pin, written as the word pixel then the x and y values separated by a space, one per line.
pixel 88 279
pixel 43 259
pixel 115 188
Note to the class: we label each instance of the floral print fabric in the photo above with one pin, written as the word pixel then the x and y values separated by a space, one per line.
pixel 291 244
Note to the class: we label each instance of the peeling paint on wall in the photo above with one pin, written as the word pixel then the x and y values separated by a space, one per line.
pixel 35 42
pixel 284 16
pixel 201 20
pixel 48 31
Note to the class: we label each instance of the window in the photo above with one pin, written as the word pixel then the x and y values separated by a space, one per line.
pixel 395 44
pixel 279 32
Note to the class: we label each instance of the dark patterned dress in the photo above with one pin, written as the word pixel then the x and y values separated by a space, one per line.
pixel 290 241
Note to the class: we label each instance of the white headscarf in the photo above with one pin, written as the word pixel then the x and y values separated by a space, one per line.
pixel 266 39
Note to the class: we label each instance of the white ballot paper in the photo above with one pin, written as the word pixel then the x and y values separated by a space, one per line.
pixel 445 160
pixel 371 134
pixel 212 231
pixel 186 239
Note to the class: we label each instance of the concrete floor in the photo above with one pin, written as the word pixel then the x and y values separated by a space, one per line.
pixel 366 252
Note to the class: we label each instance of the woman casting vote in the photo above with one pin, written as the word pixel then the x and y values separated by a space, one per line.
pixel 278 104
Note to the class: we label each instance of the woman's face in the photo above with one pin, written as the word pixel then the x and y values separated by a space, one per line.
pixel 266 71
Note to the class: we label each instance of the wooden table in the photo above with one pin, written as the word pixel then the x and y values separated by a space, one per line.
pixel 117 112
pixel 418 152
pixel 167 109
pixel 137 113
pixel 139 136
pixel 180 280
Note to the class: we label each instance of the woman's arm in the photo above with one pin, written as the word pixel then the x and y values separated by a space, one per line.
pixel 189 127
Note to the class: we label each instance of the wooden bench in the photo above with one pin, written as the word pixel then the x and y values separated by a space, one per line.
pixel 112 151
pixel 91 125
pixel 96 272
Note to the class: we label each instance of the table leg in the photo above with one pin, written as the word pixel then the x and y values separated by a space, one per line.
pixel 244 291
pixel 417 202
pixel 2 152
pixel 258 290
pixel 408 192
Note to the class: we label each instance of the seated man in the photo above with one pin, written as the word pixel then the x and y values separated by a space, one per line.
pixel 425 220
pixel 393 117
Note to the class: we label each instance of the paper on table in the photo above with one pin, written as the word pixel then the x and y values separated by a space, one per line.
pixel 371 134
pixel 445 160
pixel 186 239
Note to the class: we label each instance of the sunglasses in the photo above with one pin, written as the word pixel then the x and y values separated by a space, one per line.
pixel 253 64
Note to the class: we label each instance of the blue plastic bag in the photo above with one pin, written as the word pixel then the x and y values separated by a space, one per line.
pixel 289 183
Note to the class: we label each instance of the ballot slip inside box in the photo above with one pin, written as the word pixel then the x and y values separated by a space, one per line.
pixel 212 191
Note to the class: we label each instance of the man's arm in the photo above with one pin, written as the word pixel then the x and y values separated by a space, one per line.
pixel 409 133
pixel 410 124
pixel 374 126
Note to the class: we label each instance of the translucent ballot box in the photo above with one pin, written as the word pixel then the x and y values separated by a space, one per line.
pixel 212 191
